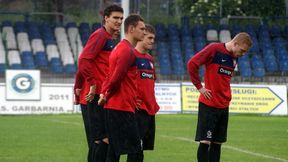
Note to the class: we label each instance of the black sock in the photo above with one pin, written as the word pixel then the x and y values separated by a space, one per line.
pixel 214 152
pixel 111 156
pixel 136 157
pixel 202 153
pixel 100 153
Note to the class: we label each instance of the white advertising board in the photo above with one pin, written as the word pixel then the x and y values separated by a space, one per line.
pixel 54 99
pixel 168 96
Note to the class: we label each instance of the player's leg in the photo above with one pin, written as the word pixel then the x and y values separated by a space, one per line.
pixel 123 132
pixel 220 136
pixel 204 133
pixel 142 120
pixel 100 134
pixel 92 113
pixel 214 152
pixel 85 118
pixel 149 136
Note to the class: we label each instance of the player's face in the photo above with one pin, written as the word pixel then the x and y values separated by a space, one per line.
pixel 139 31
pixel 240 49
pixel 114 21
pixel 148 41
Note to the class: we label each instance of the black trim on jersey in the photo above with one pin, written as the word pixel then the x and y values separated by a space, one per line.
pixel 223 60
pixel 109 45
pixel 143 63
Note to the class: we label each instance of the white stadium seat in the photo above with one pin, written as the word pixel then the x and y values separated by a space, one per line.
pixel 212 35
pixel 14 57
pixel 224 36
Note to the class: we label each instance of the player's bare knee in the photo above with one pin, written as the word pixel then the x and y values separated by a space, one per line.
pixel 205 142
pixel 105 140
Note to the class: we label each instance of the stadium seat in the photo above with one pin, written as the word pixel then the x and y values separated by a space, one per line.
pixel 9 37
pixel 212 35
pixel 96 26
pixel 259 72
pixel 283 65
pixel 224 36
pixel 271 66
pixel 14 59
pixel 245 72
pixel 2 68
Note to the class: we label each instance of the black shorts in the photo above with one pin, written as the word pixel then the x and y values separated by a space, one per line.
pixel 96 116
pixel 146 125
pixel 123 132
pixel 212 124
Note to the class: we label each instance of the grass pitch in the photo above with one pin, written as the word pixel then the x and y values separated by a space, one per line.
pixel 61 138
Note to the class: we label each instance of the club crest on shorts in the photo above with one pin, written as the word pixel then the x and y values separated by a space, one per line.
pixel 209 134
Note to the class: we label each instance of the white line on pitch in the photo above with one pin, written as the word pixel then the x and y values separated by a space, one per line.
pixel 232 148
pixel 65 122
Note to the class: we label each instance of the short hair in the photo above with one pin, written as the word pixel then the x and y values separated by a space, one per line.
pixel 133 20
pixel 150 29
pixel 112 8
pixel 243 38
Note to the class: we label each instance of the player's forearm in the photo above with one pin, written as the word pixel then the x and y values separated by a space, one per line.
pixel 193 70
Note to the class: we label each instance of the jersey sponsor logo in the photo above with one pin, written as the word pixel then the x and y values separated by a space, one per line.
pixel 146 75
pixel 225 71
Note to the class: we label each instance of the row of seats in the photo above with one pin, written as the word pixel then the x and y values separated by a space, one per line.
pixel 175 46
pixel 29 45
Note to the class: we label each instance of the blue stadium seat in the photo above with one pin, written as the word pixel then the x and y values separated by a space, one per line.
pixel 96 26
pixel 259 72
pixel 245 72
pixel 2 68
pixel 16 66
pixel 257 64
pixel 57 69
pixel 283 65
pixel 276 31
pixel 6 23
pixel 41 59
pixel 271 66
pixel 71 24
pixel 70 69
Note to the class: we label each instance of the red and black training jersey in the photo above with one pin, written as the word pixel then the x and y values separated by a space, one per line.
pixel 94 61
pixel 120 86
pixel 219 67
pixel 146 83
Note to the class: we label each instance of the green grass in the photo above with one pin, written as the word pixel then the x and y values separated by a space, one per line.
pixel 61 138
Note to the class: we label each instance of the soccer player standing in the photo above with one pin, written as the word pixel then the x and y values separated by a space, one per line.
pixel 93 66
pixel 220 60
pixel 120 94
pixel 147 106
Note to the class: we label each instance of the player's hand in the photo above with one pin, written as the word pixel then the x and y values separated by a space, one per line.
pixel 90 96
pixel 138 103
pixel 206 93
pixel 101 100
pixel 77 91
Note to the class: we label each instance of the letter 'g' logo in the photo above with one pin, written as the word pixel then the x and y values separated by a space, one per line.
pixel 23 83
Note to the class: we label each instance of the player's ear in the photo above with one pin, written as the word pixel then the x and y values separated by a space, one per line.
pixel 131 28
